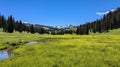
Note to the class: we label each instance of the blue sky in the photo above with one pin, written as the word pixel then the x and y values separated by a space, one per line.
pixel 57 12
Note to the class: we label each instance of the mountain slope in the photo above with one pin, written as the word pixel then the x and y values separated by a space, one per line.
pixel 111 32
pixel 64 27
pixel 114 32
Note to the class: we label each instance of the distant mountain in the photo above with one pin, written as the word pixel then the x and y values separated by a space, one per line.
pixel 64 27
pixel 47 27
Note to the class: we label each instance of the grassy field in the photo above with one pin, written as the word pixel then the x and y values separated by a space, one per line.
pixel 111 32
pixel 62 50
pixel 7 39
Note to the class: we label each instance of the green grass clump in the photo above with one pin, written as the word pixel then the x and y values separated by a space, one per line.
pixel 7 39
pixel 110 32
pixel 65 51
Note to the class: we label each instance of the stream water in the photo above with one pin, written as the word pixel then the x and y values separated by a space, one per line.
pixel 9 52
pixel 33 42
pixel 3 55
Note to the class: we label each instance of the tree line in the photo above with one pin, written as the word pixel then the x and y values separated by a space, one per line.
pixel 10 25
pixel 108 22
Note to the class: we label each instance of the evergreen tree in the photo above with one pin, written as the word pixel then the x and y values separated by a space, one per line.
pixel 10 23
pixel 32 29
pixel 0 21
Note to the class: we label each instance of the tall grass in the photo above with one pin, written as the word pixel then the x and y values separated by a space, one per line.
pixel 7 39
pixel 65 51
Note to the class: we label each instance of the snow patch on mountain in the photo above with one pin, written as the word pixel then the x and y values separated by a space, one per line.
pixel 63 26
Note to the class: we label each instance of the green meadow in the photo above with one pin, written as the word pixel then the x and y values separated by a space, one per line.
pixel 61 50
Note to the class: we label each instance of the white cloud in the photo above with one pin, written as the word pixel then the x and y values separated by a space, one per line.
pixel 25 22
pixel 103 13
pixel 113 10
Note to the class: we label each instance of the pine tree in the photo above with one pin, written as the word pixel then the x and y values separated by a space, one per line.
pixel 10 23
pixel 32 29
pixel 0 21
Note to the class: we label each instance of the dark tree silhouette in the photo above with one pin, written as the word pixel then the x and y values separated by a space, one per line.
pixel 10 23
pixel 108 22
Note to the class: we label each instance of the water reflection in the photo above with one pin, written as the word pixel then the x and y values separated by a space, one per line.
pixel 6 53
pixel 3 55
pixel 30 43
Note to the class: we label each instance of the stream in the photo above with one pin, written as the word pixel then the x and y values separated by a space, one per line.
pixel 9 52
pixel 3 55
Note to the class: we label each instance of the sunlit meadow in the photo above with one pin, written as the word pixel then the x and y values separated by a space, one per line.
pixel 62 50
